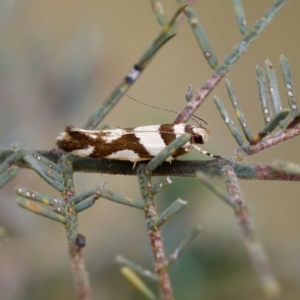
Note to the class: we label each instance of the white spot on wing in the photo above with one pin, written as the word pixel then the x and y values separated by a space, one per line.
pixel 179 129
pixel 63 136
pixel 112 135
pixel 91 133
pixel 150 138
pixel 126 155
pixel 84 152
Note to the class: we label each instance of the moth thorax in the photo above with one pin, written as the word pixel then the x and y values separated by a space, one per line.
pixel 201 135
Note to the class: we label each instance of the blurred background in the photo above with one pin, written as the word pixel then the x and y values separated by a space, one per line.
pixel 58 61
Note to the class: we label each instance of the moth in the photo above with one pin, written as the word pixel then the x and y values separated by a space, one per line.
pixel 133 144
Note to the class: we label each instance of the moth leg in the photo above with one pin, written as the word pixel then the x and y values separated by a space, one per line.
pixel 204 151
pixel 170 159
pixel 133 167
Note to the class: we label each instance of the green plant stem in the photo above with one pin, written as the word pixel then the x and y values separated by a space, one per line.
pixel 238 111
pixel 14 156
pixel 42 165
pixel 215 189
pixel 41 210
pixel 263 95
pixel 277 119
pixel 286 167
pixel 273 89
pixel 88 197
pixel 184 244
pixel 167 33
pixel 270 141
pixel 40 197
pixel 138 283
pixel 158 10
pixel 189 94
pixel 201 37
pixel 254 247
pixel 229 61
pixel 154 234
pixel 82 284
pixel 161 185
pixel 143 272
pixel 167 152
pixel 240 15
pixel 232 128
pixel 58 205
pixel 170 212
pixel 182 168
pixel 289 85
pixel 8 174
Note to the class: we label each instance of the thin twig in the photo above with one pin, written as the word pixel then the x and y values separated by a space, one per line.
pixel 179 168
pixel 240 15
pixel 167 33
pixel 137 282
pixel 253 245
pixel 201 36
pixel 155 236
pixel 184 244
pixel 270 141
pixel 229 61
pixel 75 240
pixel 158 10
pixel 272 125
pixel 140 270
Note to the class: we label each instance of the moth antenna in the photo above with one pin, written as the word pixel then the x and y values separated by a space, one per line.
pixel 152 106
pixel 166 109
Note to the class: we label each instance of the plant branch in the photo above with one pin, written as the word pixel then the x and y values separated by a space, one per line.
pixel 155 236
pixel 158 10
pixel 289 85
pixel 76 241
pixel 270 141
pixel 137 282
pixel 167 33
pixel 184 244
pixel 253 245
pixel 138 269
pixel 8 174
pixel 229 61
pixel 179 168
pixel 201 36
pixel 240 15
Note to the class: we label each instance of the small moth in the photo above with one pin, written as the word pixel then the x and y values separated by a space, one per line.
pixel 132 144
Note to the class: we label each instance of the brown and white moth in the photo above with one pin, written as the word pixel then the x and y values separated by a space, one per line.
pixel 132 144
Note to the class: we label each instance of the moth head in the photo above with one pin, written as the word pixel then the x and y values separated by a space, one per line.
pixel 201 134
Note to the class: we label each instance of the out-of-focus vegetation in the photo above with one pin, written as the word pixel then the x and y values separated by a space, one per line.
pixel 58 60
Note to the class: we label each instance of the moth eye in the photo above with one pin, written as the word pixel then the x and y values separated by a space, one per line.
pixel 198 139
